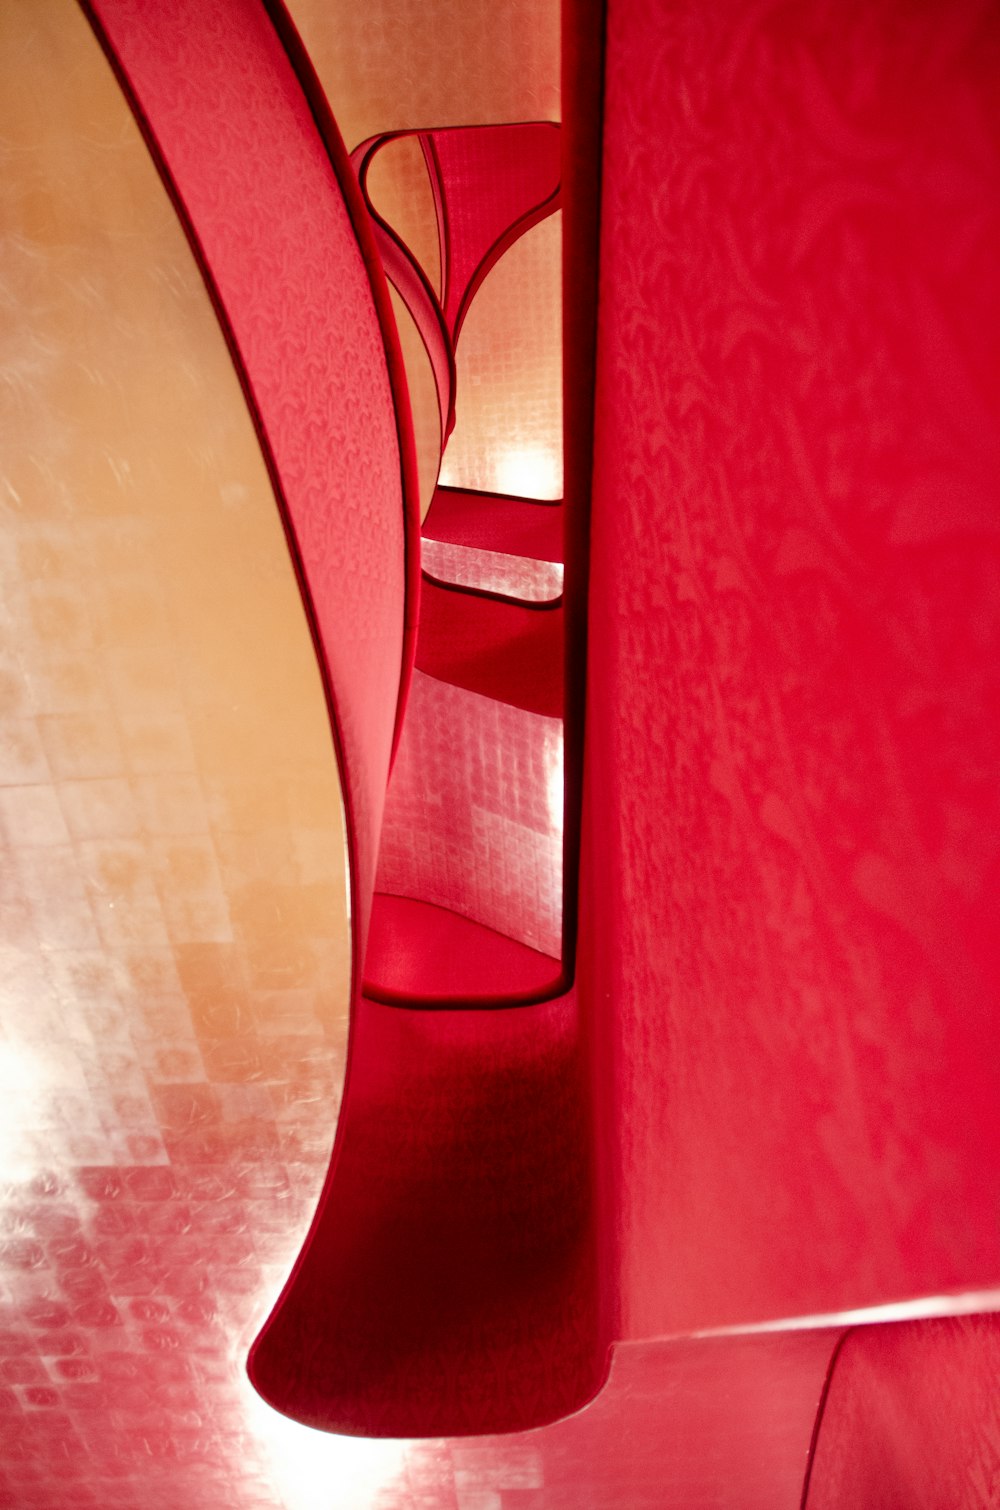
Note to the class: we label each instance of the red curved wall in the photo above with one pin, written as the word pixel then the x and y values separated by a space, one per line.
pixel 789 911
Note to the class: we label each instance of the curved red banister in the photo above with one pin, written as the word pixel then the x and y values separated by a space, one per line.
pixel 499 248
pixel 411 283
pixel 357 209
pixel 534 146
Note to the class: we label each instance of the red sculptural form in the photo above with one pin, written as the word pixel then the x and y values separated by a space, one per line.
pixel 718 1053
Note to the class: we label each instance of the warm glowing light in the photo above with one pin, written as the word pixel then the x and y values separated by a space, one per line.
pixel 492 571
pixel 962 1303
pixel 24 1091
pixel 531 472
pixel 316 1470
pixel 555 781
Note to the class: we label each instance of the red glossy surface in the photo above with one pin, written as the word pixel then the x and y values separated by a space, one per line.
pixel 448 1281
pixel 505 651
pixel 293 289
pixel 417 950
pixel 518 526
pixel 912 1419
pixel 792 812
pixel 725 1425
pixel 787 895
pixel 266 209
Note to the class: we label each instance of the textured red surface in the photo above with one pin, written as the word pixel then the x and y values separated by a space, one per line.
pixel 473 819
pixel 490 184
pixel 494 522
pixel 419 951
pixel 791 862
pixel 912 1419
pixel 411 283
pixel 719 1425
pixel 520 579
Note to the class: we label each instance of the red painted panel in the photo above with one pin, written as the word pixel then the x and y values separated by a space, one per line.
pixel 448 1282
pixel 792 847
pixel 912 1419
pixel 418 952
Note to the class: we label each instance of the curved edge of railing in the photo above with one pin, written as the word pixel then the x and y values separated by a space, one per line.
pixel 466 1286
pixel 817 1428
pixel 528 976
pixel 410 281
pixel 426 308
pixel 512 233
pixel 358 211
pixel 502 246
pixel 449 1287
pixel 582 62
